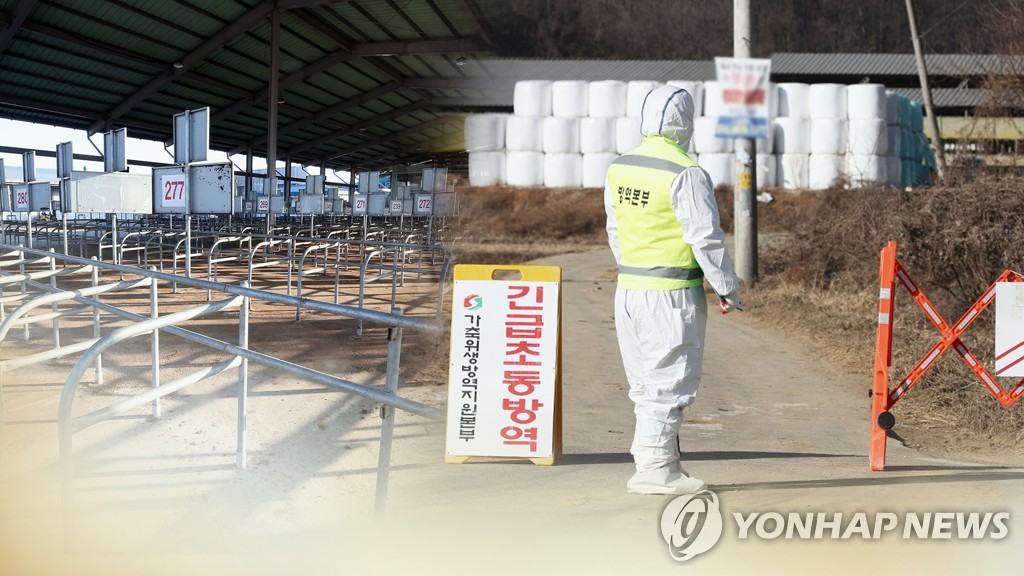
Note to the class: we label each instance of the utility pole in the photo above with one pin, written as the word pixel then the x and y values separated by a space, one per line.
pixel 926 92
pixel 744 198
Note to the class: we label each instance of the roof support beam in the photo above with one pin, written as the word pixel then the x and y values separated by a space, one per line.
pixel 228 34
pixel 447 83
pixel 21 12
pixel 341 107
pixel 101 47
pixel 296 77
pixel 33 104
pixel 342 129
pixel 388 138
pixel 413 47
pixel 394 114
pixel 392 159
pixel 338 39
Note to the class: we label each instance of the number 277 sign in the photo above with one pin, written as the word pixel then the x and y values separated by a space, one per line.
pixel 172 191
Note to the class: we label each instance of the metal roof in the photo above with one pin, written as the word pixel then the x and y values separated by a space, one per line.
pixel 361 81
pixel 957 65
pixel 948 97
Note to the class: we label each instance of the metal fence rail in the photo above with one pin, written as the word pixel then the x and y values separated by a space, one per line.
pixel 36 292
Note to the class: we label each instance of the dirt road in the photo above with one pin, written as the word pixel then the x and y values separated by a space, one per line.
pixel 774 430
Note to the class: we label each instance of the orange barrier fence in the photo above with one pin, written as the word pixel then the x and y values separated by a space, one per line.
pixel 883 398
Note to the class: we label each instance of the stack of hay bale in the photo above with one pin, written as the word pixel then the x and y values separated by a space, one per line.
pixel 565 134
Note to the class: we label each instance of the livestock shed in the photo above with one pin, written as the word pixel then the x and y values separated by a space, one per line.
pixel 340 84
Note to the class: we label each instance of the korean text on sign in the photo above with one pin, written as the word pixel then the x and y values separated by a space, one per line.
pixel 524 328
pixel 470 382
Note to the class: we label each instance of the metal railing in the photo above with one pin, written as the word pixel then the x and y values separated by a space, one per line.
pixel 239 354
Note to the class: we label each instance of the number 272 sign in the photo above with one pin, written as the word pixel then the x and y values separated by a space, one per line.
pixel 172 191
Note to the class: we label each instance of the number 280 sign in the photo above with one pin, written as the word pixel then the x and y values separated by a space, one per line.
pixel 21 198
pixel 172 191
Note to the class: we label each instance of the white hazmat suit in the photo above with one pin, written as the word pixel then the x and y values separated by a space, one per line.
pixel 661 332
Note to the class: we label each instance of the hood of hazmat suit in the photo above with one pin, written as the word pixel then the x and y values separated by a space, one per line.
pixel 668 112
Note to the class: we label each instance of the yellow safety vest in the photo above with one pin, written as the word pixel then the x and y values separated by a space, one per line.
pixel 653 255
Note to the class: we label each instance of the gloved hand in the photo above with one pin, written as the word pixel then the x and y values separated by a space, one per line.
pixel 730 302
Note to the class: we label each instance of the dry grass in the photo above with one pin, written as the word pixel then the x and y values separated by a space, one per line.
pixel 514 225
pixel 819 279
pixel 823 282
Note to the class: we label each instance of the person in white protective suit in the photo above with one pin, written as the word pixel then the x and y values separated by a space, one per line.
pixel 664 230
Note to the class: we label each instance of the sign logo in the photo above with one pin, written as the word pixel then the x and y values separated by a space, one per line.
pixel 691 524
pixel 473 302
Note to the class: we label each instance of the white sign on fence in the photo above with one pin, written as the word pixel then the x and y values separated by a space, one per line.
pixel 396 206
pixel 1010 329
pixel 172 190
pixel 263 204
pixel 424 204
pixel 21 198
pixel 359 205
pixel 743 83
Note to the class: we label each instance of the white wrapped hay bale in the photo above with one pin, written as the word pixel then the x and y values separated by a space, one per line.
pixel 892 137
pixel 704 141
pixel 607 99
pixel 792 135
pixel 570 98
pixel 636 91
pixel 866 101
pixel 532 98
pixel 720 167
pixel 696 90
pixel 766 145
pixel 712 99
pixel 563 170
pixel 794 100
pixel 893 170
pixel 773 100
pixel 765 166
pixel 524 169
pixel 868 136
pixel 597 135
pixel 866 169
pixel 486 169
pixel 824 170
pixel 828 135
pixel 485 132
pixel 561 135
pixel 627 134
pixel 595 169
pixel 793 171
pixel 892 108
pixel 524 133
pixel 827 101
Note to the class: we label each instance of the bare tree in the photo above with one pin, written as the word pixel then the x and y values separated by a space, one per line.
pixel 683 29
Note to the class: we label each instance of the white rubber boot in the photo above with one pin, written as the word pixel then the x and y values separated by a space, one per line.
pixel 669 479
